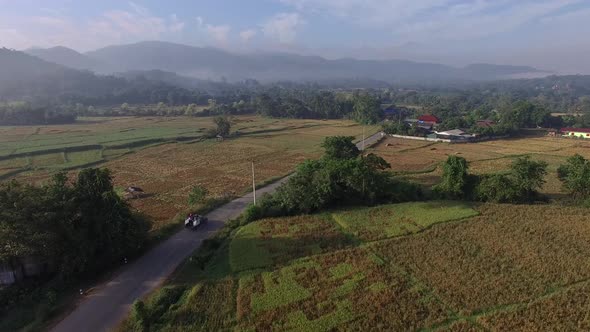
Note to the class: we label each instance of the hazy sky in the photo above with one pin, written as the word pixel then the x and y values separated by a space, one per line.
pixel 550 34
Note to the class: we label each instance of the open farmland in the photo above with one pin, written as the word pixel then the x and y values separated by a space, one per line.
pixel 491 267
pixel 167 156
pixel 420 161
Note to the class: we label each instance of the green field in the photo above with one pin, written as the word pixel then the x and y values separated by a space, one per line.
pixel 90 141
pixel 435 266
pixel 303 273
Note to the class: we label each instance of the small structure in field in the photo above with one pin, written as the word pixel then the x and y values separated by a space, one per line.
pixel 576 132
pixel 455 135
pixel 134 192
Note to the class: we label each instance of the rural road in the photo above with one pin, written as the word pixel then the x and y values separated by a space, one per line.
pixel 108 304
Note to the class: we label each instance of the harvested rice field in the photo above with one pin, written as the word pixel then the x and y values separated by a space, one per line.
pixel 167 156
pixel 420 161
pixel 484 267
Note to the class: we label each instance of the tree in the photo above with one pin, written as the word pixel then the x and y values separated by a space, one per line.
pixel 454 179
pixel 79 227
pixel 197 195
pixel 529 176
pixel 340 147
pixel 497 188
pixel 223 125
pixel 575 176
pixel 367 109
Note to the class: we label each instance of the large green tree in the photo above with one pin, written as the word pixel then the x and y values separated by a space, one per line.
pixel 575 176
pixel 340 147
pixel 366 109
pixel 77 228
pixel 454 179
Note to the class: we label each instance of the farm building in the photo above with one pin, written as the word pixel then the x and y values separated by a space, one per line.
pixel 429 119
pixel 576 132
pixel 455 135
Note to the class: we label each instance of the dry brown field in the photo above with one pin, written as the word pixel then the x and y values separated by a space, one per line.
pixel 167 171
pixel 421 161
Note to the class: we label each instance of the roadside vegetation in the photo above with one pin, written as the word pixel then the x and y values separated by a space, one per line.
pixel 59 234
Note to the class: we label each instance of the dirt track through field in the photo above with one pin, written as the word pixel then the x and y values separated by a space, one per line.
pixel 108 304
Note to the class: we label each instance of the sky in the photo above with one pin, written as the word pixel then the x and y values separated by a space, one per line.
pixel 547 34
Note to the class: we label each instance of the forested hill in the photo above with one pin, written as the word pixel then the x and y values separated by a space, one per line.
pixel 25 77
pixel 211 63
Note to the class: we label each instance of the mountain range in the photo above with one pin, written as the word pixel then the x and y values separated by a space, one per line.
pixel 216 64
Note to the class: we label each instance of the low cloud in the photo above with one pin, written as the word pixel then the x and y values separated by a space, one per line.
pixel 113 26
pixel 283 27
pixel 219 33
pixel 248 34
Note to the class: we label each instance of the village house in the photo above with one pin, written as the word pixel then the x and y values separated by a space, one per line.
pixel 576 132
pixel 429 119
pixel 455 135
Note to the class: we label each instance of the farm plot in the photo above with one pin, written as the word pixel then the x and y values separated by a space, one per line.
pixel 420 161
pixel 509 268
pixel 271 242
pixel 400 219
pixel 134 151
pixel 508 255
pixel 169 171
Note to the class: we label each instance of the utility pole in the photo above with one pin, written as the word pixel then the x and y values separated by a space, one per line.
pixel 253 183
pixel 363 145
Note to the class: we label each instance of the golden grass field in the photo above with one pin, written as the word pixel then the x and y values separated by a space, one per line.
pixel 421 161
pixel 436 266
pixel 167 171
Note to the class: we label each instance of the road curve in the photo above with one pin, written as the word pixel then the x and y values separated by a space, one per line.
pixel 108 304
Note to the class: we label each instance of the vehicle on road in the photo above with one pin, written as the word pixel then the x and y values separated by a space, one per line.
pixel 194 220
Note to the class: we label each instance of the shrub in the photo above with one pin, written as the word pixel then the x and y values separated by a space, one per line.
pixel 197 195
pixel 454 184
pixel 498 188
pixel 575 176
pixel 223 125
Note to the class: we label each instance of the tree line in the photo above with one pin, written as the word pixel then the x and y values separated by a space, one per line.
pixel 72 228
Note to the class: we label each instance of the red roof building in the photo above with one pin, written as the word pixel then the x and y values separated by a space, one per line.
pixel 429 119
pixel 575 130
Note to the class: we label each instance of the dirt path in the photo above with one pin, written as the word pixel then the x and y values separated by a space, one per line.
pixel 108 304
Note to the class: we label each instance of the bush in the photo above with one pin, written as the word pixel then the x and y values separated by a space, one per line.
pixel 223 126
pixel 519 185
pixel 197 195
pixel 497 188
pixel 575 176
pixel 454 184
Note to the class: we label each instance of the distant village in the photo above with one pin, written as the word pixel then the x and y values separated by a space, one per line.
pixel 426 127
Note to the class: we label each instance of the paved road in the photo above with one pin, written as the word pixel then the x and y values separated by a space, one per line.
pixel 109 303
